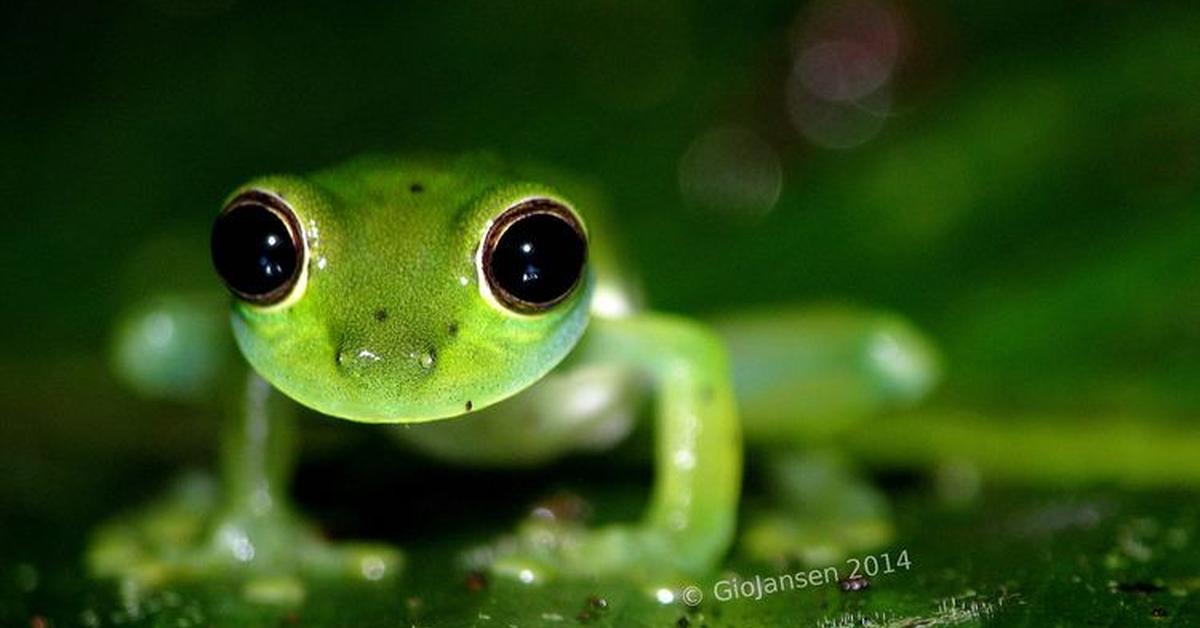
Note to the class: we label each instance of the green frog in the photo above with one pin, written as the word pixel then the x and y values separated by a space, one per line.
pixel 486 306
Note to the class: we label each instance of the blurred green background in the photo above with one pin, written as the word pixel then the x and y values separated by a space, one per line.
pixel 1021 179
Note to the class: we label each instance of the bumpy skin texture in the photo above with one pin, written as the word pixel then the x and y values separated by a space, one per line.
pixel 393 322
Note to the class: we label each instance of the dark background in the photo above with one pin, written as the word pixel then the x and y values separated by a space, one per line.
pixel 1027 188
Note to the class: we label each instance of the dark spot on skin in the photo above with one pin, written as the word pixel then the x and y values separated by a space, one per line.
pixel 416 188
pixel 707 393
pixel 597 602
pixel 584 617
pixel 683 622
pixel 381 314
pixel 468 405
pixel 1158 612
pixel 452 329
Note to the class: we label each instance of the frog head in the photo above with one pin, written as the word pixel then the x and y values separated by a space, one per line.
pixel 403 290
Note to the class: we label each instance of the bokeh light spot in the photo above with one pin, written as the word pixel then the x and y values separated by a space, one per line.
pixel 731 170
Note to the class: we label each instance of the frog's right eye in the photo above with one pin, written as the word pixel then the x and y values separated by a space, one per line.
pixel 258 248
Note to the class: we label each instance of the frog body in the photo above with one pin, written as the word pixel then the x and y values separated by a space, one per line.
pixel 485 311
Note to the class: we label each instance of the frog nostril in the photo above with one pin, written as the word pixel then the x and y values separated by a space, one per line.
pixel 428 358
pixel 355 360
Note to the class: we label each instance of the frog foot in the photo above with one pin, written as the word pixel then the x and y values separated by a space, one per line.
pixel 811 540
pixel 188 536
pixel 822 511
pixel 541 551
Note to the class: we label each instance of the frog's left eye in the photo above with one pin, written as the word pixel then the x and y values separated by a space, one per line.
pixel 533 255
pixel 257 247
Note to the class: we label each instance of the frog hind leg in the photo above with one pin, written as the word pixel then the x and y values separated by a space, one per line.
pixel 803 376
pixel 818 511
pixel 241 528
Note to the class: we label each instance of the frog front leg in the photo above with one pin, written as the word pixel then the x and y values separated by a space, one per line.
pixel 257 525
pixel 691 519
pixel 242 528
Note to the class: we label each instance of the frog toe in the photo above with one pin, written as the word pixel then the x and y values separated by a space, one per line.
pixel 782 537
pixel 542 551
pixel 188 536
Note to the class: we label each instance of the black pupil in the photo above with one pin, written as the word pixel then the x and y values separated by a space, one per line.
pixel 538 259
pixel 253 251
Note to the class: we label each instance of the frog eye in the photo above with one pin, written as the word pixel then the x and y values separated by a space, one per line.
pixel 257 247
pixel 533 255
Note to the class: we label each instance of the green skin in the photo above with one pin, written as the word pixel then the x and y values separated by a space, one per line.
pixel 393 322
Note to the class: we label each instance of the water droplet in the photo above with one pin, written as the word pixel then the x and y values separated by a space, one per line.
pixel 237 542
pixel 854 583
pixel 428 359
pixel 243 550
